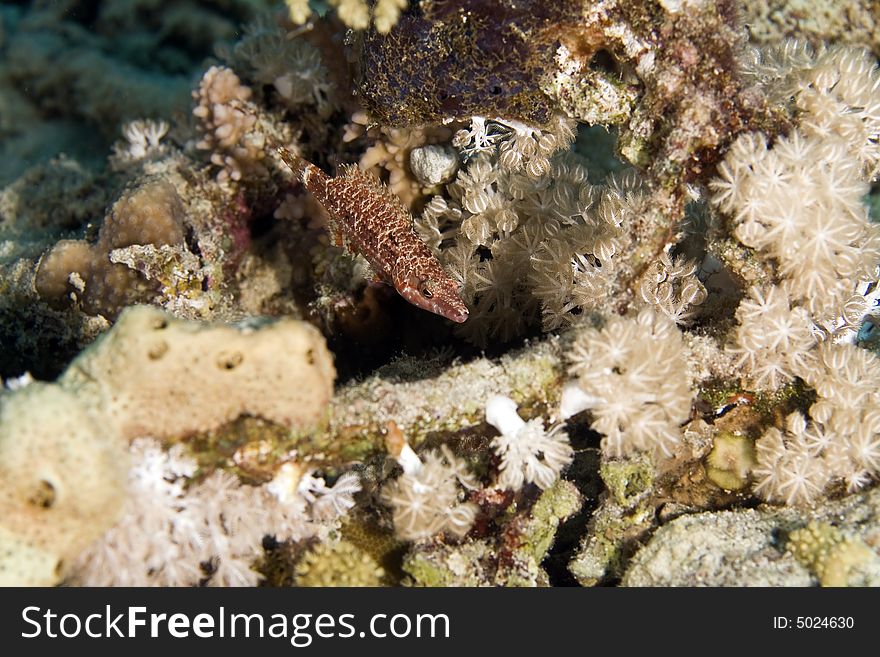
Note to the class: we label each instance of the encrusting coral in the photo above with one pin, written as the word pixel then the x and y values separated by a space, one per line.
pixel 835 558
pixel 79 272
pixel 338 563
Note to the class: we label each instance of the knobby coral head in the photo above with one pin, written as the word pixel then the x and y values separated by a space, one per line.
pixel 430 288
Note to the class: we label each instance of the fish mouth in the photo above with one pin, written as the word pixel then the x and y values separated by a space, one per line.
pixel 457 316
pixel 455 312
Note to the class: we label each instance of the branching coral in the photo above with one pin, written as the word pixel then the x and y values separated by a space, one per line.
pixel 390 150
pixel 227 121
pixel 631 374
pixel 235 132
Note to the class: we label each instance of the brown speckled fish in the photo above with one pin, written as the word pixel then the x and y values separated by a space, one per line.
pixel 367 218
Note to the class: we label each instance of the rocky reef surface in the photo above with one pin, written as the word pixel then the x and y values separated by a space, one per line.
pixel 662 216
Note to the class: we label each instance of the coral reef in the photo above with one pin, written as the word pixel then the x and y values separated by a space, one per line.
pixel 654 225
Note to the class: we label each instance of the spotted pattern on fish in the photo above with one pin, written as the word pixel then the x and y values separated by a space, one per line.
pixel 368 219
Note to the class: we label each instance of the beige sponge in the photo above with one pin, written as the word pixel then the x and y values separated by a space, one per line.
pixel 157 376
pixel 62 477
